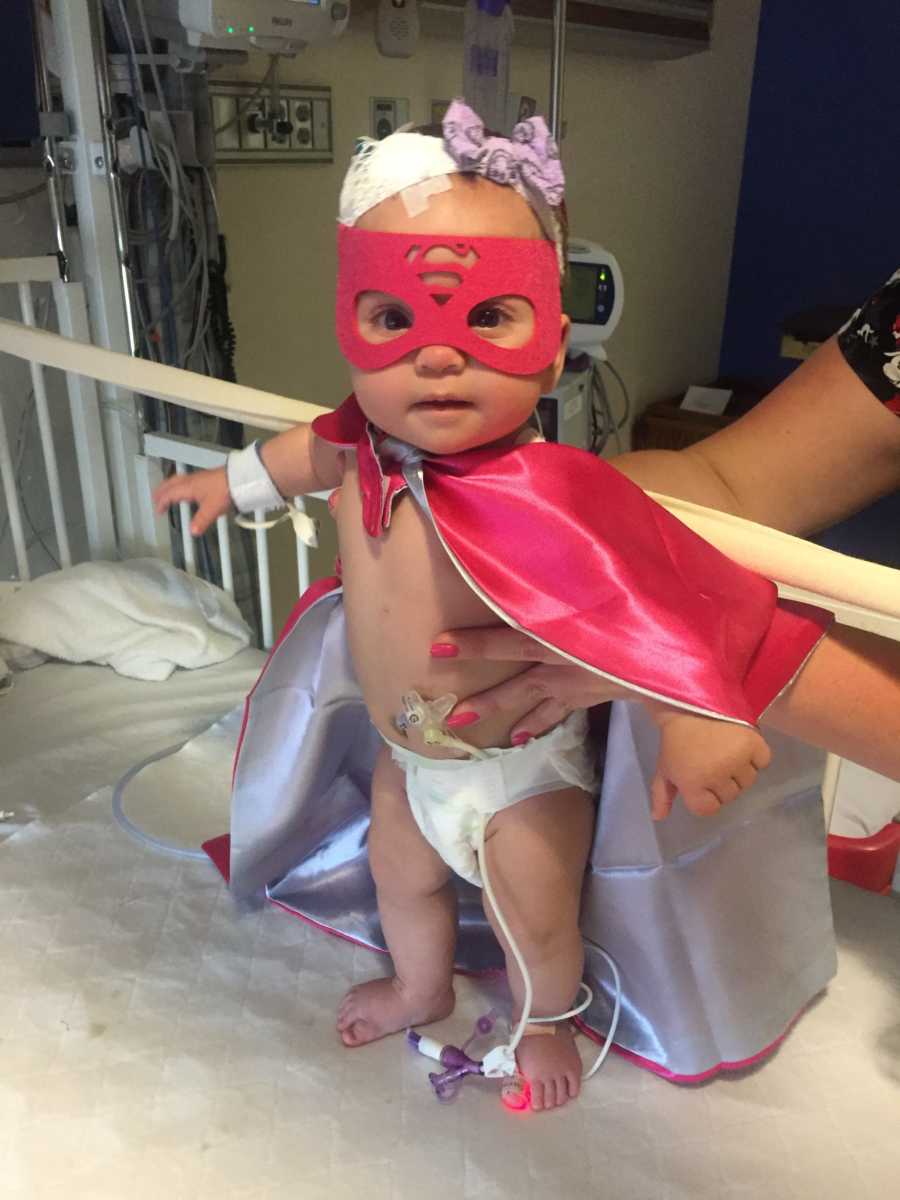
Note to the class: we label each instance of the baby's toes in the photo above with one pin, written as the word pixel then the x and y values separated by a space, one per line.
pixel 572 1084
pixel 346 1009
pixel 355 1033
pixel 537 1094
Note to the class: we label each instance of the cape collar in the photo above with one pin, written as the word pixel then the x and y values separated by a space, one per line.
pixel 379 461
pixel 381 458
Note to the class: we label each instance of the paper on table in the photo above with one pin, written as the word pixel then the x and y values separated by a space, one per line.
pixel 706 399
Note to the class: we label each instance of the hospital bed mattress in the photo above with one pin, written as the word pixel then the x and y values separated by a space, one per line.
pixel 160 1039
pixel 67 730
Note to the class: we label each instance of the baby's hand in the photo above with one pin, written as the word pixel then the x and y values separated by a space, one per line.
pixel 708 762
pixel 207 489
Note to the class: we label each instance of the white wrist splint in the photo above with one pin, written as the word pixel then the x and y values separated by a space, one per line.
pixel 252 488
pixel 250 483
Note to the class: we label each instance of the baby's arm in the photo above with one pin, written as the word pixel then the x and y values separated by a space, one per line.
pixel 297 461
pixel 709 762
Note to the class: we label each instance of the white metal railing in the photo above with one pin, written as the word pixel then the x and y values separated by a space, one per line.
pixel 203 455
pixel 83 365
pixel 85 416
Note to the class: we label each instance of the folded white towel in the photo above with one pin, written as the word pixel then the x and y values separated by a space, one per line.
pixel 143 618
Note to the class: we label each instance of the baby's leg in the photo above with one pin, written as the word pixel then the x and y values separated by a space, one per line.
pixel 536 852
pixel 417 906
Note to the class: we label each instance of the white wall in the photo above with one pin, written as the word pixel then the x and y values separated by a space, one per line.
pixel 653 156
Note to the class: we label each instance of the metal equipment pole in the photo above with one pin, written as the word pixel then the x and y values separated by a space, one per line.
pixel 558 69
pixel 79 47
pixel 54 189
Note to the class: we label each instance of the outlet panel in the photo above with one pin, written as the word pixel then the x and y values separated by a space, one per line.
pixel 305 108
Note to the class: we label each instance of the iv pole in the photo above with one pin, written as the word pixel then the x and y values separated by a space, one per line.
pixel 558 69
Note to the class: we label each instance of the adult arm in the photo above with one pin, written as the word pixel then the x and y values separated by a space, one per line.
pixel 846 699
pixel 816 449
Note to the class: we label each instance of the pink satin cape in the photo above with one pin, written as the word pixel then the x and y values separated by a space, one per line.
pixel 565 548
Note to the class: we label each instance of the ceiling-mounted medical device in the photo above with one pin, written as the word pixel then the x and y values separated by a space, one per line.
pixel 397 28
pixel 274 26
pixel 593 296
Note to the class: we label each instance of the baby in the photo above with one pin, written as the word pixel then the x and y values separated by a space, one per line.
pixel 427 381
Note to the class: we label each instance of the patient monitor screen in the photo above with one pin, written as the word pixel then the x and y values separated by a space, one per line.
pixel 588 293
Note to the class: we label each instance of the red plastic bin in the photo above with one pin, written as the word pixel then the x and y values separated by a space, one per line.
pixel 868 862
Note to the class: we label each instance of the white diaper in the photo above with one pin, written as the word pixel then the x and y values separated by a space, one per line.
pixel 451 799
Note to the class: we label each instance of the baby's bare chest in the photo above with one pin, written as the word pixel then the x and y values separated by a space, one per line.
pixel 402 581
pixel 400 591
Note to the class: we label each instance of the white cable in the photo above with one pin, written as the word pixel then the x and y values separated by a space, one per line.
pixel 169 173
pixel 151 63
pixel 242 109
pixel 178 183
pixel 526 1017
pixel 573 1012
pixel 513 945
pixel 135 831
pixel 614 1022
pixel 212 194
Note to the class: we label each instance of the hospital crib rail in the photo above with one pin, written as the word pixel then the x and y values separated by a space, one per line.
pixel 183 453
pixel 25 274
pixel 98 456
pixel 863 594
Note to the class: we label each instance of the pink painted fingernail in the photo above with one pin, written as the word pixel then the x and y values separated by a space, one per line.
pixel 444 650
pixel 458 720
pixel 519 739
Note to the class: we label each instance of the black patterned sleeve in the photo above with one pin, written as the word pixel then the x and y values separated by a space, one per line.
pixel 870 342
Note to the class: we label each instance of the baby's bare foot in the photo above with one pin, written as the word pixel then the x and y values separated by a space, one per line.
pixel 552 1066
pixel 373 1010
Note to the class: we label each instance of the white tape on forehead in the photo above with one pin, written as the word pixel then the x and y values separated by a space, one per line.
pixel 383 169
pixel 415 166
pixel 415 198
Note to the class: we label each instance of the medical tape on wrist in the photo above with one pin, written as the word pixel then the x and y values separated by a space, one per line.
pixel 305 527
pixel 249 483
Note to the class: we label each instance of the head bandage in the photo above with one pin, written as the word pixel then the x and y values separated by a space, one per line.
pixel 415 165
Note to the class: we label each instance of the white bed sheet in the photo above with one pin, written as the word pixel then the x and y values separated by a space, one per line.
pixel 67 730
pixel 159 1040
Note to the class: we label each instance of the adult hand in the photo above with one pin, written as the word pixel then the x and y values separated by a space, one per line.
pixel 553 687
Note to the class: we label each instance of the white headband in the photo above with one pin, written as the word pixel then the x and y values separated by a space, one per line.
pixel 379 170
pixel 415 166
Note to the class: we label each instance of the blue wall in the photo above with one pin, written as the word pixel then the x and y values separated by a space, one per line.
pixel 819 211
pixel 18 103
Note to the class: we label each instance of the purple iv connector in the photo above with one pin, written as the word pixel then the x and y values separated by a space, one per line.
pixel 456 1062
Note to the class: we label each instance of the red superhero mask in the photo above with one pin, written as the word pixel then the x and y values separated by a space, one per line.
pixel 395 263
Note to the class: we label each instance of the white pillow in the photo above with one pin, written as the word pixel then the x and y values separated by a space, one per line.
pixel 142 617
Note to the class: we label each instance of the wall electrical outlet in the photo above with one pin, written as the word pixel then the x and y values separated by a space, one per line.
pixel 247 130
pixel 386 115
